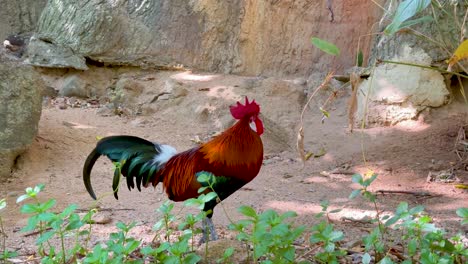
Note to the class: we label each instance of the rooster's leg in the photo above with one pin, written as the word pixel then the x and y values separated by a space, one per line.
pixel 208 228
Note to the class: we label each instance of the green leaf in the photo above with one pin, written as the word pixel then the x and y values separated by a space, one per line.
pixel 325 46
pixel 366 258
pixel 288 214
pixel 202 189
pixel 33 221
pixel 22 198
pixel 336 236
pixel 324 204
pixel 228 252
pixel 405 10
pixel 319 214
pixel 46 216
pixel 409 23
pixel 29 209
pixel 44 237
pixel 47 205
pixel 74 225
pixel 357 178
pixel 392 220
pixel 209 196
pixel 205 177
pixel 324 112
pixel 402 207
pixel 2 204
pixel 121 225
pixel 38 188
pixel 412 246
pixel 386 260
pixel 195 202
pixel 368 181
pixel 202 177
pixel 359 59
pixel 67 211
pixel 462 212
pixel 354 194
pixel 329 247
pixel 166 207
pixel 429 227
pixel 247 211
pixel 131 246
pixel 192 258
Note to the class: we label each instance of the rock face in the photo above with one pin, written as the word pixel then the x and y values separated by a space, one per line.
pixel 394 93
pixel 256 37
pixel 20 111
pixel 19 16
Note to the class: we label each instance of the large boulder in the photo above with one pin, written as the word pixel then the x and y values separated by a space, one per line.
pixel 395 93
pixel 20 111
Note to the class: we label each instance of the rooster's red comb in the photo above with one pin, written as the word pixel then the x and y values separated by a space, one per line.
pixel 240 111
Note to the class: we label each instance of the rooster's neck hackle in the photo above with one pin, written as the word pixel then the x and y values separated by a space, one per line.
pixel 236 152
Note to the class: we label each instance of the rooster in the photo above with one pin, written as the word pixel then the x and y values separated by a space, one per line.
pixel 233 157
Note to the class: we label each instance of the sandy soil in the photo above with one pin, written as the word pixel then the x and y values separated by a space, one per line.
pixel 402 156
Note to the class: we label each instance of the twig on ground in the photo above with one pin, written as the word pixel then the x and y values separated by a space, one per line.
pixel 106 209
pixel 37 232
pixel 405 192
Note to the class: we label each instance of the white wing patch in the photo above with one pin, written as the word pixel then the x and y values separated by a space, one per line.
pixel 167 152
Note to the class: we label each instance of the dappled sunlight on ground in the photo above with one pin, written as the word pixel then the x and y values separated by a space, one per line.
pixel 189 76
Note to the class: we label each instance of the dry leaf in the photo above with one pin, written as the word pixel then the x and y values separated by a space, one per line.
pixel 460 54
pixel 300 133
pixel 300 144
pixel 352 103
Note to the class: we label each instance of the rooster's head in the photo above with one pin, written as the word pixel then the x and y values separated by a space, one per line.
pixel 250 111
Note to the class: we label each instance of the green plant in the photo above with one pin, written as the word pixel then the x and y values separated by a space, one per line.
pixel 228 253
pixel 180 251
pixel 424 242
pixel 325 204
pixel 463 213
pixel 375 240
pixel 166 209
pixel 119 248
pixel 270 236
pixel 327 237
pixel 49 225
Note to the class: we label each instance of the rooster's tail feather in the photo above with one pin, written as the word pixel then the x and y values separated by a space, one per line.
pixel 137 158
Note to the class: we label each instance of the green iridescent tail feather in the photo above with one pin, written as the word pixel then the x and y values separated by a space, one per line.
pixel 133 157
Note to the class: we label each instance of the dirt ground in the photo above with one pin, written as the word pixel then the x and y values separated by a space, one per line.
pixel 401 155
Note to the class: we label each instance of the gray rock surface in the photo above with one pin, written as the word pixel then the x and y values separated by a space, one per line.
pixel 269 38
pixel 19 16
pixel 20 111
pixel 73 85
